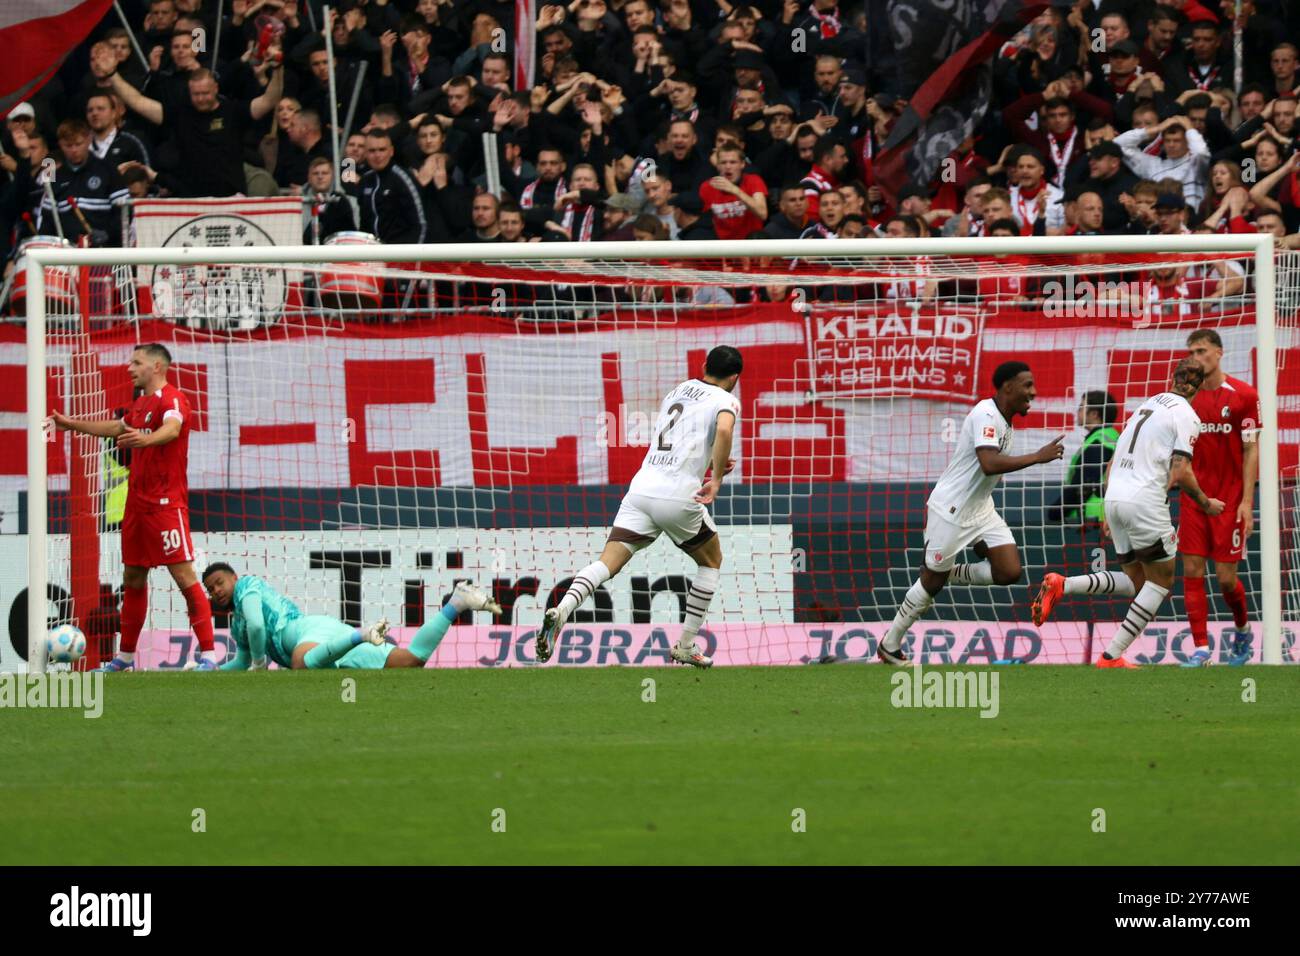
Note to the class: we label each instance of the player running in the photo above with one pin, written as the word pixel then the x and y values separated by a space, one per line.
pixel 266 625
pixel 1154 454
pixel 960 508
pixel 692 437
pixel 1227 465
pixel 156 522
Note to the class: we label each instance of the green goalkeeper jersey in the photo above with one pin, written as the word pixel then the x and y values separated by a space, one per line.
pixel 261 614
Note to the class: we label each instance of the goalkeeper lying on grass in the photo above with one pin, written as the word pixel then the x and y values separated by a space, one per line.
pixel 265 624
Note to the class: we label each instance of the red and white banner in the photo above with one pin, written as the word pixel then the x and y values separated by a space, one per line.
pixel 435 403
pixel 259 293
pixel 869 350
pixel 35 36
pixel 525 43
pixel 237 221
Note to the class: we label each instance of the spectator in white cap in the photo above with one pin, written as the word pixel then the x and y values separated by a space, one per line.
pixel 22 116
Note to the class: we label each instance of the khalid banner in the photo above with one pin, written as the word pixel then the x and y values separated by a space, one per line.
pixel 908 350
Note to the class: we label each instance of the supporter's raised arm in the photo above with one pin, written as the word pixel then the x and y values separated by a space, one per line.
pixel 1261 192
pixel 104 62
pixel 264 104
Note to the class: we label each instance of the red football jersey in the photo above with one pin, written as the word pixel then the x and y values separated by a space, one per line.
pixel 158 472
pixel 1228 414
pixel 732 219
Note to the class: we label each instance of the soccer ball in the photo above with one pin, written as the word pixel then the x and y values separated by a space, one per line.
pixel 66 644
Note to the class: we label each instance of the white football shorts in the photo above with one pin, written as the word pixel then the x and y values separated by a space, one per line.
pixel 1141 531
pixel 641 519
pixel 945 540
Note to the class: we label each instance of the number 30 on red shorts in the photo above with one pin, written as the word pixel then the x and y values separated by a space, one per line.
pixel 153 538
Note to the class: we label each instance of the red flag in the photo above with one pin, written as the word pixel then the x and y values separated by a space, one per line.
pixel 525 43
pixel 36 35
pixel 944 83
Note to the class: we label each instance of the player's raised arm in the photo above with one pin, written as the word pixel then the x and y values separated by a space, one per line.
pixel 994 462
pixel 102 428
pixel 1181 475
pixel 721 463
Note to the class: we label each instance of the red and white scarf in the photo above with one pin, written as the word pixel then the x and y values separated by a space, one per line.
pixel 819 179
pixel 830 22
pixel 1028 210
pixel 416 85
pixel 526 198
pixel 1210 77
pixel 588 222
pixel 1061 157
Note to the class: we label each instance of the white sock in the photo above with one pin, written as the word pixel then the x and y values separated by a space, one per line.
pixel 126 656
pixel 915 603
pixel 1140 613
pixel 584 586
pixel 697 604
pixel 209 655
pixel 1100 582
pixel 981 573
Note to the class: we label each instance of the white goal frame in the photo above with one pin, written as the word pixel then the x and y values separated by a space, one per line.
pixel 1259 246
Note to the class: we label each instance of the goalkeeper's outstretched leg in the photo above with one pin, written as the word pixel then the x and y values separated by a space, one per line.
pixel 346 653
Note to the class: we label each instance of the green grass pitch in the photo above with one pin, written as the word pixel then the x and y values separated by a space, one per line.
pixel 711 772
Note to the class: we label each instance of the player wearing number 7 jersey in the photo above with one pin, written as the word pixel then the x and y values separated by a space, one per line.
pixel 693 435
pixel 1154 453
pixel 156 522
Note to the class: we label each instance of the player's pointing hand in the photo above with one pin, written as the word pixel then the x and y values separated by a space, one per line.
pixel 1052 450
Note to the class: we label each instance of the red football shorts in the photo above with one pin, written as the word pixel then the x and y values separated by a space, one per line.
pixel 1219 538
pixel 153 538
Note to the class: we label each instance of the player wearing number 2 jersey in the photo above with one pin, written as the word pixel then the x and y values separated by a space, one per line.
pixel 156 523
pixel 1227 464
pixel 693 435
pixel 960 509
pixel 1154 453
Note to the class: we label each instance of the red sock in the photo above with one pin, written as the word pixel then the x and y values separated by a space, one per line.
pixel 135 605
pixel 1198 609
pixel 1236 598
pixel 200 610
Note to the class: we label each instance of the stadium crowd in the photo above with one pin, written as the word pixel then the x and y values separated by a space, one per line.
pixel 653 119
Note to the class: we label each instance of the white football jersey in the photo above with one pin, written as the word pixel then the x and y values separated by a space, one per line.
pixel 682 444
pixel 964 494
pixel 1139 470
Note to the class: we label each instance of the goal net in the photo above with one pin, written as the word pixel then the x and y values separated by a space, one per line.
pixel 368 433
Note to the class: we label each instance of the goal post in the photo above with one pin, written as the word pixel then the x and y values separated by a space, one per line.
pixel 815 443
